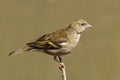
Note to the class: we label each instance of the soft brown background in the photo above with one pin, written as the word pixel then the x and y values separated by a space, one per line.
pixel 97 56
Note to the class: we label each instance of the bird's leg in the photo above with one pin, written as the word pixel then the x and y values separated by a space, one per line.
pixel 59 60
pixel 55 58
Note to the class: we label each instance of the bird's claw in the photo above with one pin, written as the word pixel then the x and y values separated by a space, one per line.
pixel 61 66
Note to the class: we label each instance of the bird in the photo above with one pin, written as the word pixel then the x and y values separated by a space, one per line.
pixel 57 43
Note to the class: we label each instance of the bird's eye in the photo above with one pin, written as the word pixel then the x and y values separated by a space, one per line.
pixel 83 24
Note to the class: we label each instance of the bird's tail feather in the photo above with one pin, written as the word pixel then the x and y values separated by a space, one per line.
pixel 27 48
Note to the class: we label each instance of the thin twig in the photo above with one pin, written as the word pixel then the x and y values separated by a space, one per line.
pixel 63 71
pixel 62 68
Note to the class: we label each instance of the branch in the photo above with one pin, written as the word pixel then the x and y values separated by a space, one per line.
pixel 62 68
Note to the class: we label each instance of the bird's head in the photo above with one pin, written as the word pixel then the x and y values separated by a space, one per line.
pixel 80 25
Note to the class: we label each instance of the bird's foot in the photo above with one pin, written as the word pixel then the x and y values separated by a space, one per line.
pixel 61 66
pixel 59 60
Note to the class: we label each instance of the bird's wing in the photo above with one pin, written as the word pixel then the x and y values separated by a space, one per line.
pixel 50 41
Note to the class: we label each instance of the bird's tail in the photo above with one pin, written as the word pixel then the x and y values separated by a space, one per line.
pixel 27 48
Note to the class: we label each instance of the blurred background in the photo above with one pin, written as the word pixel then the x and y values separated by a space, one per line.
pixel 97 56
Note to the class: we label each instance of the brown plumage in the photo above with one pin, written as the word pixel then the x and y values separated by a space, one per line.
pixel 58 43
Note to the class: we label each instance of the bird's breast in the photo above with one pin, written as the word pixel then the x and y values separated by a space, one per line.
pixel 71 43
pixel 73 40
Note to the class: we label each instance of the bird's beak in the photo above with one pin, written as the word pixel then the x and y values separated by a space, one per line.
pixel 89 26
